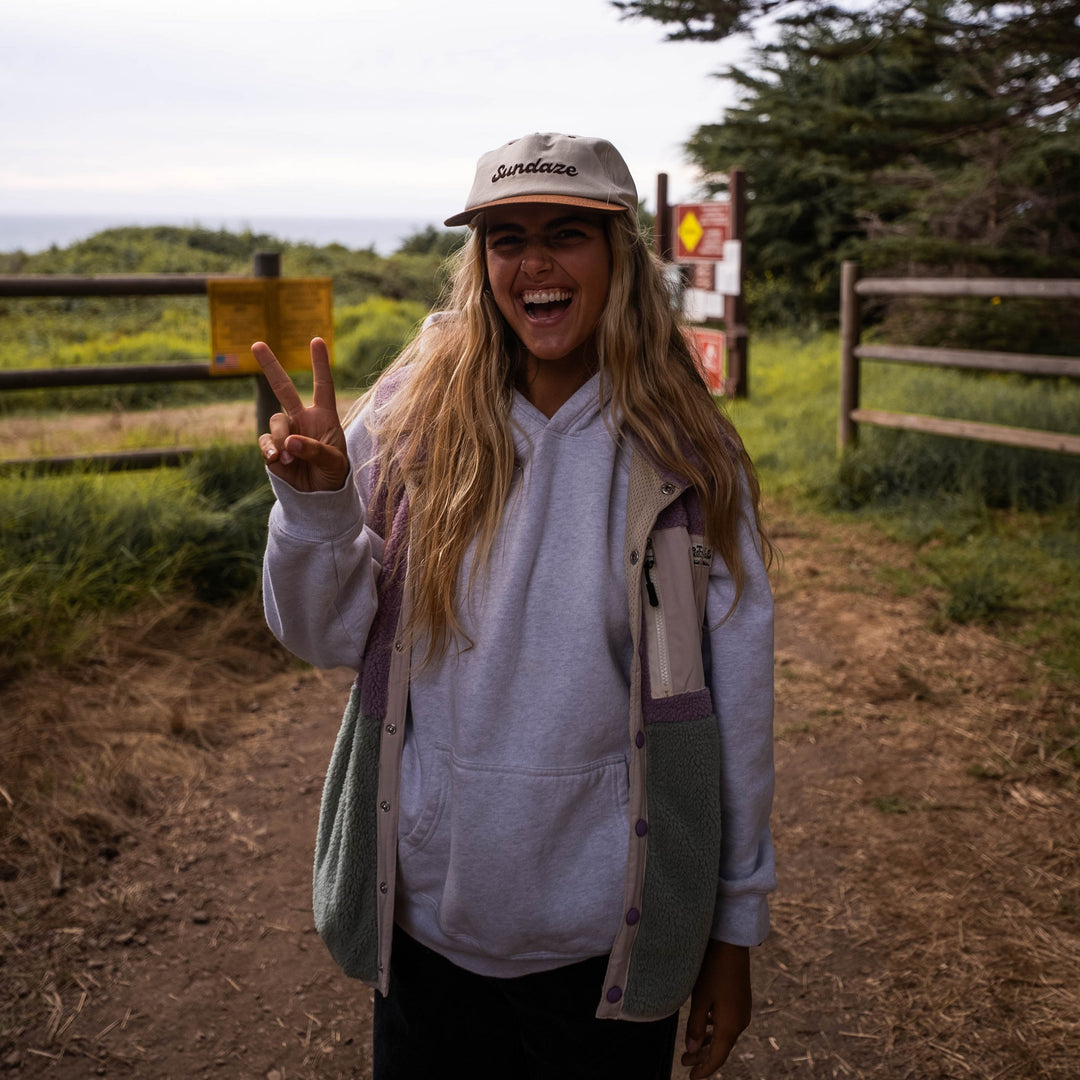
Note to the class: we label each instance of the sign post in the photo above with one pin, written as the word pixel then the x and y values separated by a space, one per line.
pixel 738 333
pixel 706 238
pixel 286 313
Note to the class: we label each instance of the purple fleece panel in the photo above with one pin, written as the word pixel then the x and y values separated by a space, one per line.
pixel 673 515
pixel 375 676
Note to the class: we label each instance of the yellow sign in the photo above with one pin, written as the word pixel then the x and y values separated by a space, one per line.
pixel 690 231
pixel 286 313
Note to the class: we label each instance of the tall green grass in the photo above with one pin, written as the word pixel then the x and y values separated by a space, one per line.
pixel 74 548
pixel 997 529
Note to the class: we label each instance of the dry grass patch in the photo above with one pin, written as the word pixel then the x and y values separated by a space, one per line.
pixel 89 753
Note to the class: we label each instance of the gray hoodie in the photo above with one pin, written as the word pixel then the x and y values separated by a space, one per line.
pixel 512 823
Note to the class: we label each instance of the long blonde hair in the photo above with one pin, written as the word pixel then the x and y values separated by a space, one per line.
pixel 440 418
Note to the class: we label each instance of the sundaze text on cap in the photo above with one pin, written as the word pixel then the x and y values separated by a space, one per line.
pixel 537 166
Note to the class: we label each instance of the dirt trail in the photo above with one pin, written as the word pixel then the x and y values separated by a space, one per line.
pixel 928 837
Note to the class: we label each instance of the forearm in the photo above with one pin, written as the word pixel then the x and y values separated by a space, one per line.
pixel 320 573
pixel 741 672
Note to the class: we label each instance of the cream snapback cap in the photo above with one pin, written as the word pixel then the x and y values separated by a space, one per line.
pixel 568 170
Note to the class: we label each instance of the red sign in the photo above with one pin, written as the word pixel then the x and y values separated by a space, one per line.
pixel 700 231
pixel 710 348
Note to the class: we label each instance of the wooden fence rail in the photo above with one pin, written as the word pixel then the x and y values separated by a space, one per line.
pixel 264 264
pixel 852 287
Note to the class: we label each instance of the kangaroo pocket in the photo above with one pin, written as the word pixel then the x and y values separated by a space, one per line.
pixel 535 858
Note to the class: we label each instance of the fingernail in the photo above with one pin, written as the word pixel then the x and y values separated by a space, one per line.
pixel 286 457
pixel 693 1046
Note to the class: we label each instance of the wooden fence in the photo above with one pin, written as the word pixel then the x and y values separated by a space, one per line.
pixel 264 264
pixel 852 287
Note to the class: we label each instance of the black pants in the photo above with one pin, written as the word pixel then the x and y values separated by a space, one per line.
pixel 440 1020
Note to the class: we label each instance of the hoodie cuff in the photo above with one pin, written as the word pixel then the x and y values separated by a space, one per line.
pixel 315 515
pixel 741 920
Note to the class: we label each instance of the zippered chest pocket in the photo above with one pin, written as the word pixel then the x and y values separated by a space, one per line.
pixel 674 613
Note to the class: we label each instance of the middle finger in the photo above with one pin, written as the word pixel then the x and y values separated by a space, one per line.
pixel 324 397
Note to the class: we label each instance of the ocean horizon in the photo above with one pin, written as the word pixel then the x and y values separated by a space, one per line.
pixel 32 233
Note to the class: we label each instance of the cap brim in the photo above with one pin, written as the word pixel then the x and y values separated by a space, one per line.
pixel 466 216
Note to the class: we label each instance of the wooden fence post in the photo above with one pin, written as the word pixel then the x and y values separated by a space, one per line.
pixel 738 361
pixel 849 363
pixel 662 244
pixel 265 264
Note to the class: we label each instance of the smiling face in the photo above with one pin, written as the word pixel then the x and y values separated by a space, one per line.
pixel 549 268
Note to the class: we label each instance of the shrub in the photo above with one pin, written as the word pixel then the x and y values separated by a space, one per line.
pixel 368 335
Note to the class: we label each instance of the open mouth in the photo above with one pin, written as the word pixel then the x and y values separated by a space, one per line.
pixel 541 303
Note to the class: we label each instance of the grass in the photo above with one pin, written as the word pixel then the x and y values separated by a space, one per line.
pixel 75 548
pixel 391 295
pixel 998 539
pixel 50 333
pixel 996 529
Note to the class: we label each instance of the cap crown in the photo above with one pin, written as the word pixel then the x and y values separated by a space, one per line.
pixel 572 170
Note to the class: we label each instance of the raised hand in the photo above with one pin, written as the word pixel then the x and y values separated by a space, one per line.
pixel 305 445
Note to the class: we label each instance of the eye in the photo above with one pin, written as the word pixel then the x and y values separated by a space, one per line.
pixel 569 234
pixel 503 242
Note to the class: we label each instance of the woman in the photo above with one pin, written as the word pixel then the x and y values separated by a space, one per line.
pixel 538 543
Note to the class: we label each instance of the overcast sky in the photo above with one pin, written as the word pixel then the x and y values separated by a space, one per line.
pixel 358 108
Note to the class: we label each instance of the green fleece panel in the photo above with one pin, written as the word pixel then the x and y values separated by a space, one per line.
pixel 682 865
pixel 345 886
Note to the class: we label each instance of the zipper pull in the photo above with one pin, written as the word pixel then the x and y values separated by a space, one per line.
pixel 650 562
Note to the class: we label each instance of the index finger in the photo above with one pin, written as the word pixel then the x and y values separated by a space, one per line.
pixel 323 380
pixel 279 381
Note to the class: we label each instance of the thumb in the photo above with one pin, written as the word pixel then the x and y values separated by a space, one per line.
pixel 302 447
pixel 696 1023
pixel 328 460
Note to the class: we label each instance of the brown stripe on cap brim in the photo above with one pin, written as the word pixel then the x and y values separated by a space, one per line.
pixel 466 216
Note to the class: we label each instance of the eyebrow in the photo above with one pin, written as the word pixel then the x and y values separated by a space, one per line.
pixel 555 223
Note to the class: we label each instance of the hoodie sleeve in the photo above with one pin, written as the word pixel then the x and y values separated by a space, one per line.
pixel 740 663
pixel 322 564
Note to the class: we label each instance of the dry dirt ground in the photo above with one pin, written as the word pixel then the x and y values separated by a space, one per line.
pixel 927 827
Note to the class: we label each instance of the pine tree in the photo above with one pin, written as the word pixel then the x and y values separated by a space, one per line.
pixel 927 136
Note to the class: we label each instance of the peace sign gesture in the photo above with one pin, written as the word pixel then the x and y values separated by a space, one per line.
pixel 306 445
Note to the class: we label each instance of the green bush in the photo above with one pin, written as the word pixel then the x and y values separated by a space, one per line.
pixel 370 334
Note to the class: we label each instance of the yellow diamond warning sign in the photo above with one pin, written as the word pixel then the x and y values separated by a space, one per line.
pixel 690 231
pixel 701 230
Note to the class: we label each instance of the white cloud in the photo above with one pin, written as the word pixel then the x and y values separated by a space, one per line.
pixel 340 107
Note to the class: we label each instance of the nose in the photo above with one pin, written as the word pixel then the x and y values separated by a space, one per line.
pixel 535 261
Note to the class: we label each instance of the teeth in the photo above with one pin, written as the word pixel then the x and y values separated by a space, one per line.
pixel 545 296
